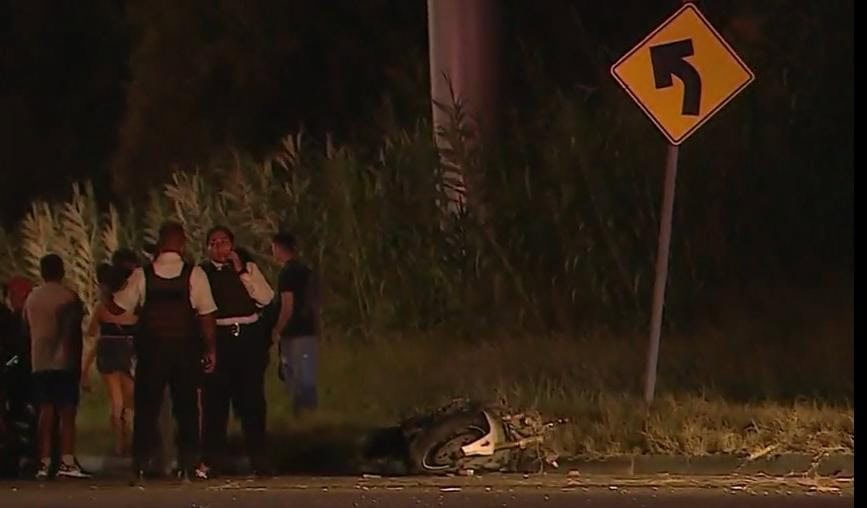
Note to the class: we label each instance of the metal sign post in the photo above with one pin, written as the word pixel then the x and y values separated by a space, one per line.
pixel 680 75
pixel 661 278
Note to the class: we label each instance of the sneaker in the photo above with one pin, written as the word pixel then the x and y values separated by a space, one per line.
pixel 205 471
pixel 187 475
pixel 42 472
pixel 202 472
pixel 71 471
pixel 138 478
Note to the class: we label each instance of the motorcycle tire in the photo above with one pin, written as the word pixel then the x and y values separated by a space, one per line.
pixel 437 449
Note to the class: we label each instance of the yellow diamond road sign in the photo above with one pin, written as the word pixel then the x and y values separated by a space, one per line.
pixel 682 74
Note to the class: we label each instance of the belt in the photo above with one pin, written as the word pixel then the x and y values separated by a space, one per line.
pixel 235 323
pixel 116 337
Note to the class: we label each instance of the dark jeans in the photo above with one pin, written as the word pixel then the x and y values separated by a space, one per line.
pixel 239 380
pixel 298 365
pixel 176 363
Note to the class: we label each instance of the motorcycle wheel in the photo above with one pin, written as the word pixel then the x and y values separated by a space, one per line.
pixel 437 450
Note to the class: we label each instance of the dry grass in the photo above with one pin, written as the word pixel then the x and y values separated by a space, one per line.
pixel 594 381
pixel 379 382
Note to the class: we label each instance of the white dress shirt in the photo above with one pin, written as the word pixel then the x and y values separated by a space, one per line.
pixel 254 282
pixel 167 265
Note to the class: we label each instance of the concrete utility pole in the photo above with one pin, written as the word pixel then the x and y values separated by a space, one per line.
pixel 463 44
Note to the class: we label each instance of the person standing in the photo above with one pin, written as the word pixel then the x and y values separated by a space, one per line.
pixel 113 350
pixel 240 292
pixel 297 325
pixel 177 310
pixel 53 315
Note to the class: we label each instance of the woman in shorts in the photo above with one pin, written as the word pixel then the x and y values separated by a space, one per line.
pixel 114 351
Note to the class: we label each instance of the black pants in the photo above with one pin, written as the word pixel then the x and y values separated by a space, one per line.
pixel 239 380
pixel 176 363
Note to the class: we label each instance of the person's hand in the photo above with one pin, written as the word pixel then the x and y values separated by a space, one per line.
pixel 236 261
pixel 209 361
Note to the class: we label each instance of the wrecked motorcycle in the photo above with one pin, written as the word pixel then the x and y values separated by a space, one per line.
pixel 465 436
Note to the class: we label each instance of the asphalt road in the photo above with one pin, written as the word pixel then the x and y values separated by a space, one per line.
pixel 458 492
pixel 68 494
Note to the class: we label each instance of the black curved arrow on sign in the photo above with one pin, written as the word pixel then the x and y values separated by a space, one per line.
pixel 668 60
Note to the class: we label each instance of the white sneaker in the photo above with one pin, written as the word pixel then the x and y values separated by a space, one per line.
pixel 71 471
pixel 201 472
pixel 42 472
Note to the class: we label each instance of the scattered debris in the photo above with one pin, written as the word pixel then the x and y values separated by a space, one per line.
pixel 824 489
pixel 761 453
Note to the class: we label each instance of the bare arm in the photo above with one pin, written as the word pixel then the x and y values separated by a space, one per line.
pixel 287 299
pixel 93 325
pixel 88 358
pixel 209 332
pixel 90 341
pixel 202 300
pixel 87 363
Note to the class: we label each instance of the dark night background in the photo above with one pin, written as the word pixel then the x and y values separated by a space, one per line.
pixel 116 90
pixel 541 292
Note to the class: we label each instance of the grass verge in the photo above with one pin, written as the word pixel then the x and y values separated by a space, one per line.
pixel 800 393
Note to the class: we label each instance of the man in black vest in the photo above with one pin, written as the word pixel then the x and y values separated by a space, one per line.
pixel 240 292
pixel 177 309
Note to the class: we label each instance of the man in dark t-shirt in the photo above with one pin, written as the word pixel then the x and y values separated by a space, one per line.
pixel 297 323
